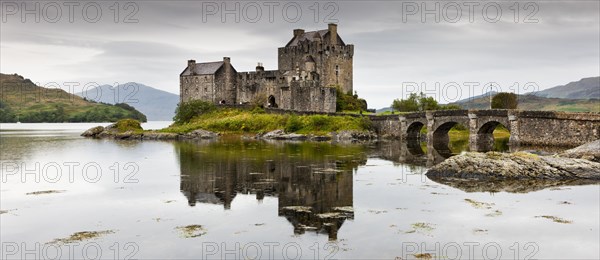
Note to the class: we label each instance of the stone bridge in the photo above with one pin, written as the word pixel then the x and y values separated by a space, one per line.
pixel 537 128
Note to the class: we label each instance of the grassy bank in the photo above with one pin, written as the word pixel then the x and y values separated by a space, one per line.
pixel 237 121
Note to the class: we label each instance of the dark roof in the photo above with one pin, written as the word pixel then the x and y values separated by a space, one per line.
pixel 207 68
pixel 310 36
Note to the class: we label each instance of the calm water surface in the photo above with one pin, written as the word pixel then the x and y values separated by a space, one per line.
pixel 258 199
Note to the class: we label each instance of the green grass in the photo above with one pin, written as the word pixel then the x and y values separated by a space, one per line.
pixel 237 121
pixel 125 125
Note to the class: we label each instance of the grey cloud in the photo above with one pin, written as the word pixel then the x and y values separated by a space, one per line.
pixel 388 51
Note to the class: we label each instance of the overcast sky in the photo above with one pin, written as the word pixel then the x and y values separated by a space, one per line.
pixel 397 44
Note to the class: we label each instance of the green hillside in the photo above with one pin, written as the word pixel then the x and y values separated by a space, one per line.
pixel 531 102
pixel 21 100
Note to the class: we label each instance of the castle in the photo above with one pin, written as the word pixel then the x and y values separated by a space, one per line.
pixel 312 67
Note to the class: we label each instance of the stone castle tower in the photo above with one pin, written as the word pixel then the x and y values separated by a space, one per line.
pixel 312 67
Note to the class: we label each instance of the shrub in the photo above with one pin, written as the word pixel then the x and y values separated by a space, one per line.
pixel 318 122
pixel 349 102
pixel 293 124
pixel 188 110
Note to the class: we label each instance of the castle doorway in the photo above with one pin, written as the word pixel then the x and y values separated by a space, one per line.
pixel 271 102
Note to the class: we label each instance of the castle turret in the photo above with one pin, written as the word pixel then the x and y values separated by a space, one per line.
pixel 333 33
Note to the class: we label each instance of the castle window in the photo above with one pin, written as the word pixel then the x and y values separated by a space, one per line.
pixel 337 70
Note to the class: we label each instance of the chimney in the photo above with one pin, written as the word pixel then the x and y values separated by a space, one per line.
pixel 259 67
pixel 191 66
pixel 298 32
pixel 332 33
pixel 226 60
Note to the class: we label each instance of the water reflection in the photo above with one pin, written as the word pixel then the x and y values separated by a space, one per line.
pixel 512 185
pixel 422 153
pixel 313 181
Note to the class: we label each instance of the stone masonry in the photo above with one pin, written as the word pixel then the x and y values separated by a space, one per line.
pixel 312 67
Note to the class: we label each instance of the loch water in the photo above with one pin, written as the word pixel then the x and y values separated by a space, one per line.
pixel 67 197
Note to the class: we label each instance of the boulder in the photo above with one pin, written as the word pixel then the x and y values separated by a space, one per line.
pixel 93 132
pixel 273 134
pixel 200 134
pixel 350 135
pixel 159 136
pixel 519 165
pixel 281 135
pixel 589 151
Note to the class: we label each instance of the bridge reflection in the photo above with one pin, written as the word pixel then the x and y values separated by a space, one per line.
pixel 419 152
pixel 312 181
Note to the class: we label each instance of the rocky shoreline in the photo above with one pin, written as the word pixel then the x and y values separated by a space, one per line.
pixel 112 132
pixel 519 165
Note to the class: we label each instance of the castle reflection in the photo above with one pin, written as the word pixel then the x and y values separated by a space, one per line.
pixel 312 181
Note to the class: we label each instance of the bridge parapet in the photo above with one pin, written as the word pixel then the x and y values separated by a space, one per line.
pixel 490 112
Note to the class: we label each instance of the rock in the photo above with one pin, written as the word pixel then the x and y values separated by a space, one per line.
pixel 589 151
pixel 294 136
pixel 508 185
pixel 200 134
pixel 281 135
pixel 520 165
pixel 353 136
pixel 320 138
pixel 159 136
pixel 128 135
pixel 93 132
pixel 273 134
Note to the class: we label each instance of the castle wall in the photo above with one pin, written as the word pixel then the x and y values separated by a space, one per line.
pixel 309 71
pixel 252 84
pixel 309 96
pixel 328 60
pixel 197 87
pixel 226 85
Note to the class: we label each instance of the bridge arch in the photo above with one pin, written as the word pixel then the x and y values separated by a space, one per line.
pixel 440 138
pixel 485 139
pixel 413 131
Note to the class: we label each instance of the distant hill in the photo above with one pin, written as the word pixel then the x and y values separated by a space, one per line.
pixel 532 102
pixel 484 95
pixel 579 96
pixel 587 88
pixel 21 100
pixel 156 104
pixel 383 110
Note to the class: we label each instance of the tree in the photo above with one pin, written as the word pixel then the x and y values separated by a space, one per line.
pixel 349 102
pixel 419 102
pixel 504 100
pixel 188 110
pixel 416 102
pixel 406 105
